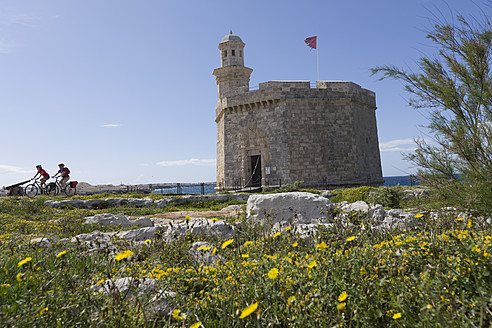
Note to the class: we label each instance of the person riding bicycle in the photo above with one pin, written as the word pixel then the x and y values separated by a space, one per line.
pixel 43 174
pixel 64 172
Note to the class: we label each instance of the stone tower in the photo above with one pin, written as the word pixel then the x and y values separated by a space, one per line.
pixel 232 75
pixel 287 131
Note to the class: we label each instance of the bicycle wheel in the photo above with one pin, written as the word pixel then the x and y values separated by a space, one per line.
pixel 51 189
pixel 69 191
pixel 31 190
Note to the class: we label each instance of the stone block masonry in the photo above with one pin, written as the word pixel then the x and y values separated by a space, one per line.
pixel 287 131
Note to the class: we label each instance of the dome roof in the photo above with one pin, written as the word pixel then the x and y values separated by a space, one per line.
pixel 231 38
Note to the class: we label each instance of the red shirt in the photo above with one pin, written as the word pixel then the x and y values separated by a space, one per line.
pixel 43 173
pixel 63 172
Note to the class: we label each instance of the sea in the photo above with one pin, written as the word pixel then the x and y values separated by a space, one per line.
pixel 209 188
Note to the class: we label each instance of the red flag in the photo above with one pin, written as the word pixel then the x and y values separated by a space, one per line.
pixel 312 41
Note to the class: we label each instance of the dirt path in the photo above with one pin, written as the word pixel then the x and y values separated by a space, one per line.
pixel 229 211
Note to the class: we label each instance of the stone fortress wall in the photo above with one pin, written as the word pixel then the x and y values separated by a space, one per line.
pixel 287 131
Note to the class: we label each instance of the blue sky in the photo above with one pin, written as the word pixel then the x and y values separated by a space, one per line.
pixel 122 91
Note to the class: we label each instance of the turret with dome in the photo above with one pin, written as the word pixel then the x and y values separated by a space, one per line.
pixel 232 75
pixel 231 49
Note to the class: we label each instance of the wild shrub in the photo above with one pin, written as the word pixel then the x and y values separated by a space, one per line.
pixel 453 88
pixel 352 194
pixel 389 197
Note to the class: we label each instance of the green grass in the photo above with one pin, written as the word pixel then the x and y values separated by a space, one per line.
pixel 439 275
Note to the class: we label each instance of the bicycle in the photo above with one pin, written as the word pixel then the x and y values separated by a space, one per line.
pixel 55 187
pixel 33 189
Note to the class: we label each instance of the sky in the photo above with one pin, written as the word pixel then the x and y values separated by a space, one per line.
pixel 122 91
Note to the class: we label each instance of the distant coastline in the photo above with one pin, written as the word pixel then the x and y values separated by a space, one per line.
pixel 404 180
pixel 196 188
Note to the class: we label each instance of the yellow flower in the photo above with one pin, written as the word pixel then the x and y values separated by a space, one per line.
pixel 123 255
pixel 214 219
pixel 460 219
pixel 350 238
pixel 177 316
pixel 100 282
pixel 341 306
pixel 24 261
pixel 287 228
pixel 312 264
pixel 469 224
pixel 276 235
pixel 42 311
pixel 248 243
pixel 196 324
pixel 227 243
pixel 429 306
pixel 321 245
pixel 204 248
pixel 294 244
pixel 215 250
pixel 247 311
pixel 419 215
pixel 291 300
pixel 397 315
pixel 187 218
pixel 273 273
pixel 61 254
pixel 245 256
pixel 148 241
pixel 342 297
pixel 363 271
pixel 19 276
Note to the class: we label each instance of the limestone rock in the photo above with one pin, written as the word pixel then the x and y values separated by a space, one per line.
pixel 397 219
pixel 95 241
pixel 356 206
pixel 143 222
pixel 290 208
pixel 118 220
pixel 109 219
pixel 127 286
pixel 202 253
pixel 140 202
pixel 77 203
pixel 418 193
pixel 44 242
pixel 138 235
pixel 162 304
pixel 378 212
pixel 159 303
pixel 309 230
pixel 200 226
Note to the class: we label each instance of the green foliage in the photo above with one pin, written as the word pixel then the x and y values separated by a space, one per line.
pixel 390 197
pixel 352 194
pixel 455 88
pixel 296 186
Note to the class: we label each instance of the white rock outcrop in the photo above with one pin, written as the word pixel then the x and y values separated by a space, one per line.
pixel 289 208
pixel 202 253
pixel 118 220
pixel 199 226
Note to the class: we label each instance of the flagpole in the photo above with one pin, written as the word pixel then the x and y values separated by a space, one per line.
pixel 317 54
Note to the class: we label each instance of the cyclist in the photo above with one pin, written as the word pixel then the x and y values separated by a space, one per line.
pixel 64 173
pixel 43 174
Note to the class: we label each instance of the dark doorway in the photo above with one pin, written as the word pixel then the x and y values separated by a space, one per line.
pixel 256 171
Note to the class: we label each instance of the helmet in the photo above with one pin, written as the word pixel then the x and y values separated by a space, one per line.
pixel 61 164
pixel 38 166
